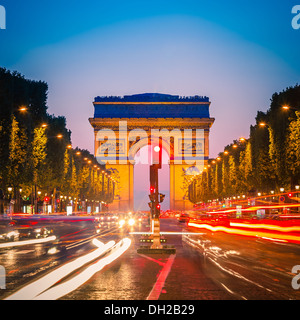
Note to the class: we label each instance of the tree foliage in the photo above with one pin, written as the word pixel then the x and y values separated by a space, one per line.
pixel 268 160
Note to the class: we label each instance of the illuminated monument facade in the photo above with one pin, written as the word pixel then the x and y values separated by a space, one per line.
pixel 123 125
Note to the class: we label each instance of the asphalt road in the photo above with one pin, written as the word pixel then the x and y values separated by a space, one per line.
pixel 206 265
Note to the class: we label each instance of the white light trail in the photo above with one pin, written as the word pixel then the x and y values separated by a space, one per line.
pixel 72 284
pixel 32 290
pixel 26 242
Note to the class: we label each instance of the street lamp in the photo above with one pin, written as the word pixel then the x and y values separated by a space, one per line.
pixel 281 189
pixel 287 107
pixel 23 109
pixel 262 124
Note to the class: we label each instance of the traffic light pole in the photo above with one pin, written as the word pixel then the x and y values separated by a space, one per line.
pixel 155 199
pixel 155 208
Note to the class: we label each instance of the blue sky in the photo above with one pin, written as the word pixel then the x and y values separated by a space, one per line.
pixel 237 53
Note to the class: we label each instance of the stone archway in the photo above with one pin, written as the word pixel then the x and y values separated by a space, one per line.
pixel 119 134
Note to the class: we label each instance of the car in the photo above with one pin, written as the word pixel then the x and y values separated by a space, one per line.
pixel 183 217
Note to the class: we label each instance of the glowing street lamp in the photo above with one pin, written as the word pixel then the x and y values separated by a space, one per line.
pixel 23 109
pixel 286 107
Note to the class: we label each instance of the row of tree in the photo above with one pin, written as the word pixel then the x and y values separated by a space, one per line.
pixel 37 160
pixel 268 160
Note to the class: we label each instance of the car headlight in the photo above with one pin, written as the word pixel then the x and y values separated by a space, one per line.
pixel 122 222
pixel 131 222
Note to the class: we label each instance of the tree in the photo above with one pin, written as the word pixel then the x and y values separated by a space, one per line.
pixel 38 157
pixel 17 153
pixel 293 150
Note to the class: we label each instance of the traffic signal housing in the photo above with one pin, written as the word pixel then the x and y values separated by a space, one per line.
pixel 161 197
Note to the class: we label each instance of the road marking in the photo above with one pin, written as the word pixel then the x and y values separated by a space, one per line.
pixel 159 284
pixel 156 261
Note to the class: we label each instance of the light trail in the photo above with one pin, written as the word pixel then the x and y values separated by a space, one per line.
pixel 255 208
pixel 32 290
pixel 72 284
pixel 26 242
pixel 256 233
pixel 265 226
pixel 167 233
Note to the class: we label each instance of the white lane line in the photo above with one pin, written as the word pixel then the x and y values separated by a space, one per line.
pixel 159 284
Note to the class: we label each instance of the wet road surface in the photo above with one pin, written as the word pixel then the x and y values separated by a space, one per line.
pixel 206 266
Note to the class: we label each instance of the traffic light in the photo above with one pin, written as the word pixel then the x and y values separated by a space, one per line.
pixel 290 195
pixel 157 211
pixel 152 190
pixel 152 197
pixel 161 197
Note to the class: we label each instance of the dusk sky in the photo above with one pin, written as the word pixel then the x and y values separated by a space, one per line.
pixel 236 53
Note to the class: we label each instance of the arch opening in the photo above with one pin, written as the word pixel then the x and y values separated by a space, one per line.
pixel 141 179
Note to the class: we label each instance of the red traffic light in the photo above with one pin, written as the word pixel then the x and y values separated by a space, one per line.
pixel 46 199
pixel 158 206
pixel 290 195
pixel 152 189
